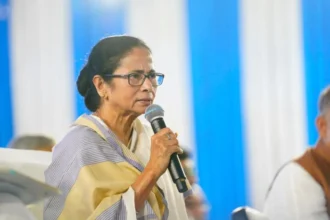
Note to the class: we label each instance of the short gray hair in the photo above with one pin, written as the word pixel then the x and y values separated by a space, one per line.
pixel 31 142
pixel 324 100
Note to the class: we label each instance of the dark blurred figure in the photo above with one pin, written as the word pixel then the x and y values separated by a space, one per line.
pixel 196 204
pixel 32 142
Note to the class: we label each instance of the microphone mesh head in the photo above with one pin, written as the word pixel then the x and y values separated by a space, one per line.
pixel 153 111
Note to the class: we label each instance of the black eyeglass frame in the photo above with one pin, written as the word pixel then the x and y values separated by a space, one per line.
pixel 130 75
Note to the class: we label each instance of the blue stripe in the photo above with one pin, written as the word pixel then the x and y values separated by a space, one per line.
pixel 316 31
pixel 215 64
pixel 93 20
pixel 6 118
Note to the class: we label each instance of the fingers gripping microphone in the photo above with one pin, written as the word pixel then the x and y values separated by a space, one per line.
pixel 154 114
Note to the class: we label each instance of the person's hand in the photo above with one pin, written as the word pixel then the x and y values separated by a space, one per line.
pixel 163 144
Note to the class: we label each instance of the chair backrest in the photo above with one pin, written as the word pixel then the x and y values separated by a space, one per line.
pixel 31 163
pixel 247 213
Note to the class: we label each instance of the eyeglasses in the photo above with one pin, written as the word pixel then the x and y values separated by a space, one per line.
pixel 137 79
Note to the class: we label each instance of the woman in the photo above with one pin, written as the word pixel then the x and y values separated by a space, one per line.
pixel 110 166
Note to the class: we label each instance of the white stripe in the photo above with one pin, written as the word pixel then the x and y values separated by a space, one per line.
pixel 42 72
pixel 273 88
pixel 166 35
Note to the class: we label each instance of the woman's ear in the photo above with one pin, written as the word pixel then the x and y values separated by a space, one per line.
pixel 321 125
pixel 100 85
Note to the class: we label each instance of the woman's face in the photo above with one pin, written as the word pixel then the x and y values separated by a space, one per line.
pixel 131 98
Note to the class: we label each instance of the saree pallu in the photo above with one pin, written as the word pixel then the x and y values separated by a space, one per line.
pixel 95 172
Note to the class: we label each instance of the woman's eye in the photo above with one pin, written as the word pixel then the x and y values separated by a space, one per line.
pixel 136 76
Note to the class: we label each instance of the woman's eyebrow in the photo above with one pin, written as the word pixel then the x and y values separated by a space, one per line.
pixel 142 71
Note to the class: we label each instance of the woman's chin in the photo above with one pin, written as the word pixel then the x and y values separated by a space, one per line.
pixel 141 106
pixel 140 110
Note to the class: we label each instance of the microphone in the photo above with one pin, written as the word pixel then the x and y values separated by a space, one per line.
pixel 154 114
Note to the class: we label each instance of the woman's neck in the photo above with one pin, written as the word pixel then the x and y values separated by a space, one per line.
pixel 119 122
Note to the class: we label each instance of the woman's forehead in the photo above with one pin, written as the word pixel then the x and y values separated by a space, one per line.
pixel 137 60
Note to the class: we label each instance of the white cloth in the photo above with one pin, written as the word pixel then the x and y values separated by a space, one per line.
pixel 31 163
pixel 295 195
pixel 140 144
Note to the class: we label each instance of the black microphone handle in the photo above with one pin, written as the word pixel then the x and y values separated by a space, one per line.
pixel 175 168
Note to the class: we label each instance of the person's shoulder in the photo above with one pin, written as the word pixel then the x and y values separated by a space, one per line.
pixel 83 146
pixel 293 168
pixel 78 138
pixel 81 134
pixel 293 173
pixel 293 179
pixel 294 194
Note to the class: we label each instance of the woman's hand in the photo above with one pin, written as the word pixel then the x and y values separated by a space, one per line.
pixel 163 144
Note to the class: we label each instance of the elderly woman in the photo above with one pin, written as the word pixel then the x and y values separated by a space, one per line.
pixel 109 165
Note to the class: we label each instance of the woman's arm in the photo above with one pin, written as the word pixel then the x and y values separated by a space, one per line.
pixel 163 145
pixel 143 186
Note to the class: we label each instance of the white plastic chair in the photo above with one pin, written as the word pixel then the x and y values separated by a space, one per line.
pixel 32 164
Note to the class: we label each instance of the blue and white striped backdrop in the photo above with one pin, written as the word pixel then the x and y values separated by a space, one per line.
pixel 242 77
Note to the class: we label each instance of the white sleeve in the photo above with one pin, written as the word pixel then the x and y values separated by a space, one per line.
pixel 295 195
